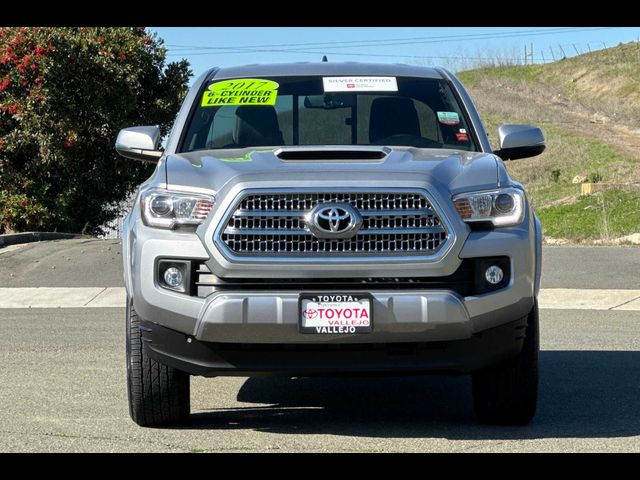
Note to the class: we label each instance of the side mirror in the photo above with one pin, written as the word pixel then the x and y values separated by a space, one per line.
pixel 139 143
pixel 520 141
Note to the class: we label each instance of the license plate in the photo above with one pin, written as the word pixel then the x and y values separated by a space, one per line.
pixel 340 313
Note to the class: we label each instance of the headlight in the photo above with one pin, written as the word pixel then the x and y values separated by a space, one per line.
pixel 502 207
pixel 166 209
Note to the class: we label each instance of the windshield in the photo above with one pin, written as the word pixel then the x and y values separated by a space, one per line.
pixel 280 111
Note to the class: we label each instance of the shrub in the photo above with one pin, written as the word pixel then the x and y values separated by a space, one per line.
pixel 595 177
pixel 64 95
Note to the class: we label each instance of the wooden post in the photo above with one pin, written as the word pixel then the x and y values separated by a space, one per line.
pixel 564 55
pixel 531 51
pixel 552 55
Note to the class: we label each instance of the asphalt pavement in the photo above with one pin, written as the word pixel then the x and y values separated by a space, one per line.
pixel 590 267
pixel 63 377
pixel 62 263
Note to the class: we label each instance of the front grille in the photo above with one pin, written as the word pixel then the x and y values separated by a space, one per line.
pixel 268 224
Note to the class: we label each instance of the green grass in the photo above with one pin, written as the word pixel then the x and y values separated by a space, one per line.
pixel 570 155
pixel 608 214
pixel 562 211
pixel 527 73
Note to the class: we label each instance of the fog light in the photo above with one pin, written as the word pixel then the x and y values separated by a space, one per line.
pixel 173 277
pixel 494 275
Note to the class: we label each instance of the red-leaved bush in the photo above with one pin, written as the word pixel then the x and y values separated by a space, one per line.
pixel 64 95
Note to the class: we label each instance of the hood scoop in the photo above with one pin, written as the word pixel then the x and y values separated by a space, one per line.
pixel 341 153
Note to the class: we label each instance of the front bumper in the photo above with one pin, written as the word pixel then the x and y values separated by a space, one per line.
pixel 399 316
pixel 214 359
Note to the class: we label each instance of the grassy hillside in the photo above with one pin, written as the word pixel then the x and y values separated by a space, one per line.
pixel 589 109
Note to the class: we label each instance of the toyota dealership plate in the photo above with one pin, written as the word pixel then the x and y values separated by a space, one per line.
pixel 338 313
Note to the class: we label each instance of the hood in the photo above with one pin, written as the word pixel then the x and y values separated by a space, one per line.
pixel 217 170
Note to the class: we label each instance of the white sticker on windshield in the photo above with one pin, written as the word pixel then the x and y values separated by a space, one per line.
pixel 359 84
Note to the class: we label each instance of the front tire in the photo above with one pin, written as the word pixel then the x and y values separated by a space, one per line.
pixel 507 393
pixel 158 394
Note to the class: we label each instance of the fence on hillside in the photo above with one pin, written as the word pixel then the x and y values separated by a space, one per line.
pixel 528 54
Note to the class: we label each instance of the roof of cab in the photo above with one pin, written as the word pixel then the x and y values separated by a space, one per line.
pixel 325 68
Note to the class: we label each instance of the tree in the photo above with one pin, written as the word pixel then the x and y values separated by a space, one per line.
pixel 64 95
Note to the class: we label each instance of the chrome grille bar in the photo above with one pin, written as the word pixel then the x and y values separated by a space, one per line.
pixel 301 213
pixel 370 231
pixel 274 224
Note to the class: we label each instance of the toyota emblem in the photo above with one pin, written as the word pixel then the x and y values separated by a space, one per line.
pixel 334 220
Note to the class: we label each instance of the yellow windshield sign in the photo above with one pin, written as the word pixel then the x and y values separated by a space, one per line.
pixel 246 91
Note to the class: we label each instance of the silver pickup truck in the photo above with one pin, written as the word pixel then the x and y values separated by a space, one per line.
pixel 330 218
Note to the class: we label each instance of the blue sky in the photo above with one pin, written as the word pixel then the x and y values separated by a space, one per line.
pixel 453 47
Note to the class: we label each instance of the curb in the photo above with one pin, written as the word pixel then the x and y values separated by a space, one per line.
pixel 28 237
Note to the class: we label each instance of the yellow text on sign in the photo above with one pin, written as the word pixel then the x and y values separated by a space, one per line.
pixel 246 91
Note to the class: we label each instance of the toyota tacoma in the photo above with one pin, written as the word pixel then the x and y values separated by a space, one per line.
pixel 330 218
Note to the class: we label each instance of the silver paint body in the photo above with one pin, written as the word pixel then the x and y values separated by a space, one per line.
pixel 272 316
